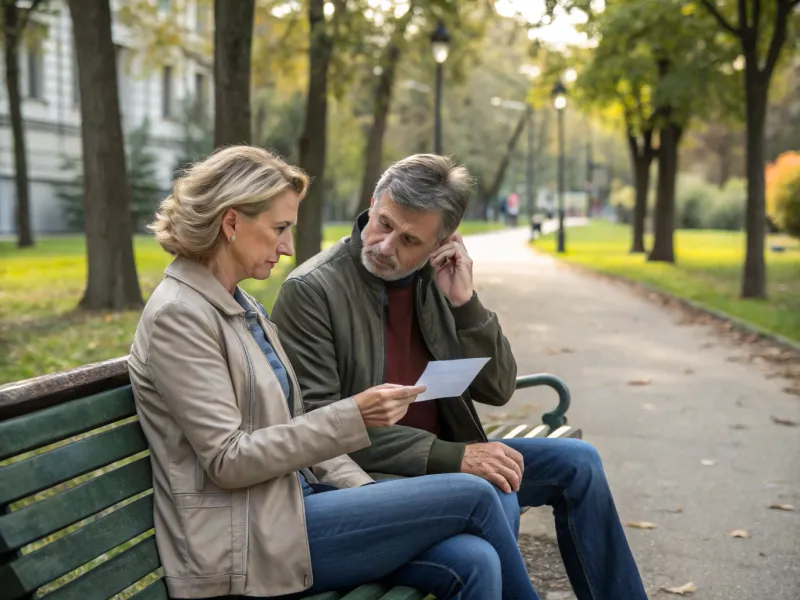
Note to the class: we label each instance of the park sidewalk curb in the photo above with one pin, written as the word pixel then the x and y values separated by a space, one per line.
pixel 741 325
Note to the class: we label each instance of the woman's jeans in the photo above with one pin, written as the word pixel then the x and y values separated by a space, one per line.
pixel 568 475
pixel 446 535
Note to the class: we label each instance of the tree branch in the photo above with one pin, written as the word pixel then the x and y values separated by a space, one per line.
pixel 756 14
pixel 711 8
pixel 778 37
pixel 744 24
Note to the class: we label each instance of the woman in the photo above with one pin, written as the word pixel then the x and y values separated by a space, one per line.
pixel 253 497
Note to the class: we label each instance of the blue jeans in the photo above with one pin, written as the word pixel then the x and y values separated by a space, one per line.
pixel 446 535
pixel 568 475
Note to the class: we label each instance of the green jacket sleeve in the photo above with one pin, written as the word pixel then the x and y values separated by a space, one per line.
pixel 480 335
pixel 304 326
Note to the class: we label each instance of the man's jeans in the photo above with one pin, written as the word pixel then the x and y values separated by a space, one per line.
pixel 568 475
pixel 443 534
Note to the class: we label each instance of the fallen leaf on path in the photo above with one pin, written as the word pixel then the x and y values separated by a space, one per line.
pixel 686 588
pixel 739 426
pixel 641 525
pixel 688 371
pixel 707 462
pixel 675 511
pixel 738 533
pixel 649 406
pixel 788 507
pixel 643 381
pixel 559 351
pixel 784 421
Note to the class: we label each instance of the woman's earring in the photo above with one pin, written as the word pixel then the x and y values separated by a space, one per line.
pixel 232 238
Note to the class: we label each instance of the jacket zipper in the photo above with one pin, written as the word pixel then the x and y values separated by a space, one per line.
pixel 249 431
pixel 478 428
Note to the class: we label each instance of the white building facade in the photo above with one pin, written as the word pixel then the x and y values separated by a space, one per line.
pixel 152 90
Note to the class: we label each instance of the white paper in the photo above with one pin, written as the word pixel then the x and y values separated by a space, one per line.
pixel 449 378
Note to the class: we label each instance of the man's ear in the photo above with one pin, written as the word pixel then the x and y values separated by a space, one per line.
pixel 371 202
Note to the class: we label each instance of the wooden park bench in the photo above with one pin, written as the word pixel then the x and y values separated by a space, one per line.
pixel 76 505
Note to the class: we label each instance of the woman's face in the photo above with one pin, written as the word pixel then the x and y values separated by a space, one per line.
pixel 262 240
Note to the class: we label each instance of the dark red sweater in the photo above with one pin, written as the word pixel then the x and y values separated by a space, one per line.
pixel 406 354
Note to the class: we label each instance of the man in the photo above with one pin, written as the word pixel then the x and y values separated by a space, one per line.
pixel 377 306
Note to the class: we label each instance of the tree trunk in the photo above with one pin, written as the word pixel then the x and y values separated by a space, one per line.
pixel 641 158
pixel 108 224
pixel 373 153
pixel 754 283
pixel 313 140
pixel 233 37
pixel 663 246
pixel 13 34
pixel 497 182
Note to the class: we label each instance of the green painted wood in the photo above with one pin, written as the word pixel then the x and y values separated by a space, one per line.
pixel 403 593
pixel 51 425
pixel 112 576
pixel 58 558
pixel 371 591
pixel 40 472
pixel 70 506
pixel 155 591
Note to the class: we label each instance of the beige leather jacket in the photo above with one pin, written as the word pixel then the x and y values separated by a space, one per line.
pixel 225 450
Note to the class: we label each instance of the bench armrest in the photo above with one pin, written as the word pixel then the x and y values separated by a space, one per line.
pixel 557 417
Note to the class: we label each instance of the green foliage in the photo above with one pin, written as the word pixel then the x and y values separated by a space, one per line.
pixel 701 205
pixel 145 192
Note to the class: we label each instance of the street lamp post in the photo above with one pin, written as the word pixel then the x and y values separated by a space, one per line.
pixel 440 46
pixel 559 95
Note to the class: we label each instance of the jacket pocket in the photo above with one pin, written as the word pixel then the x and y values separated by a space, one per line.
pixel 206 520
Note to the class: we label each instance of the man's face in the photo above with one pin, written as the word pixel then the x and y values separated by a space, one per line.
pixel 397 240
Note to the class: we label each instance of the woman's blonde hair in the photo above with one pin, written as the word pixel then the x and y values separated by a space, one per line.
pixel 246 178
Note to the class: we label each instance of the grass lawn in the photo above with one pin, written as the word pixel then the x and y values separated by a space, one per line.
pixel 40 331
pixel 708 270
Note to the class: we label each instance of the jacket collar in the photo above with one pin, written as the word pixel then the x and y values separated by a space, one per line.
pixel 200 279
pixel 426 273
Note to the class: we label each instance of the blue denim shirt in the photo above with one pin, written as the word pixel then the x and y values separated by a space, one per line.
pixel 272 357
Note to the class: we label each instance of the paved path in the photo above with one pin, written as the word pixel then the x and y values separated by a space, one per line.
pixel 698 406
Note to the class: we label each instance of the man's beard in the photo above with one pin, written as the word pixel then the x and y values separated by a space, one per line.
pixel 389 270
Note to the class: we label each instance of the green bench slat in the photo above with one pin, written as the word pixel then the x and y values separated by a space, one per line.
pixel 28 524
pixel 51 425
pixel 371 591
pixel 112 576
pixel 404 593
pixel 155 591
pixel 40 472
pixel 31 571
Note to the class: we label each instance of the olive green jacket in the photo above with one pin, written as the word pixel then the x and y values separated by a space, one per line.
pixel 330 316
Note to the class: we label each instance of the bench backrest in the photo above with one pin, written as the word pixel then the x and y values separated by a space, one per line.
pixel 76 510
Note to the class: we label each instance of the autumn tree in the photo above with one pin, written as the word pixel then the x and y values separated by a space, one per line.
pixel 761 30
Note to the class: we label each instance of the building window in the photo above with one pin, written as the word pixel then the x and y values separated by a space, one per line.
pixel 203 13
pixel 166 93
pixel 200 94
pixel 35 66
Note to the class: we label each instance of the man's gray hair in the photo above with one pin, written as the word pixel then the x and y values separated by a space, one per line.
pixel 428 182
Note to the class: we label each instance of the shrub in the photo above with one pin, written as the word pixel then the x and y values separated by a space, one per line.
pixel 701 205
pixel 783 192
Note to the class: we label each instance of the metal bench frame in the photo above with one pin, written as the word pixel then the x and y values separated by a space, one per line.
pixel 76 492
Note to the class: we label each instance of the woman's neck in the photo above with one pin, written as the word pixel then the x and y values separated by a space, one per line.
pixel 224 271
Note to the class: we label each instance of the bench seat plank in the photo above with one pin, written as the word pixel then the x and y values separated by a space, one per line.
pixel 113 576
pixel 40 472
pixel 57 423
pixel 31 571
pixel 32 522
pixel 155 591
